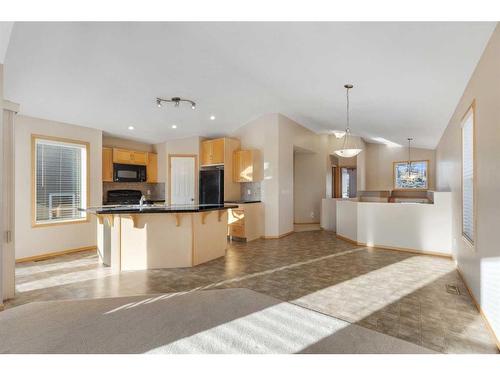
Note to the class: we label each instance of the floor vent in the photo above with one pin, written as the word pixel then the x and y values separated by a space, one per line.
pixel 452 289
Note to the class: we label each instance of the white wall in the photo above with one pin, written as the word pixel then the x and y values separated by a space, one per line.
pixel 480 265
pixel 41 240
pixel 413 226
pixel 379 164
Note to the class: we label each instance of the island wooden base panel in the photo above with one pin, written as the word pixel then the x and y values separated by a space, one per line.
pixel 150 241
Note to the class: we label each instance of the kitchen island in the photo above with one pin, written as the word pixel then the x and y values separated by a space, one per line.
pixel 138 237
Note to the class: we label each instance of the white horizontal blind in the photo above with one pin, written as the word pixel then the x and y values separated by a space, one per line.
pixel 468 177
pixel 60 181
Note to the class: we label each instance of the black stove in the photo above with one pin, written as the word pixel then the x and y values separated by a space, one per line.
pixel 123 196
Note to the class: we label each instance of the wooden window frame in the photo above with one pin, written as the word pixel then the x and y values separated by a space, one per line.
pixel 34 138
pixel 472 111
pixel 409 189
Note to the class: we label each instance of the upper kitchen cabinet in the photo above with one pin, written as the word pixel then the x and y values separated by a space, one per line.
pixel 107 164
pixel 212 151
pixel 247 166
pixel 152 168
pixel 122 156
pixel 219 152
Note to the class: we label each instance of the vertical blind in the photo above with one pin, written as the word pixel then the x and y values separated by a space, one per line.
pixel 60 181
pixel 468 177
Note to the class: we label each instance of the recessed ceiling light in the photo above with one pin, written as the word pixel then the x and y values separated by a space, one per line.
pixel 174 126
pixel 131 127
pixel 212 117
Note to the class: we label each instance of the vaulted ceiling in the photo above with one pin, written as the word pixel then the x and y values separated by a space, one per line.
pixel 408 77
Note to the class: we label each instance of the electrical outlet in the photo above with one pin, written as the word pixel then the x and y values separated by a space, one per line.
pixel 249 191
pixel 312 215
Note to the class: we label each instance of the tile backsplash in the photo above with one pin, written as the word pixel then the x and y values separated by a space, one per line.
pixel 250 191
pixel 157 190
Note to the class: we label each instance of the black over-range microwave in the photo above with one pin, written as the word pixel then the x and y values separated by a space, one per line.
pixel 129 173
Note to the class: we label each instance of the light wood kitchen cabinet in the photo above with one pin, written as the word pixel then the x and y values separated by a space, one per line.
pixel 247 166
pixel 152 168
pixel 246 221
pixel 212 152
pixel 107 164
pixel 122 156
pixel 220 152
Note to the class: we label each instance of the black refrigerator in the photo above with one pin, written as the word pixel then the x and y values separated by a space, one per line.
pixel 212 186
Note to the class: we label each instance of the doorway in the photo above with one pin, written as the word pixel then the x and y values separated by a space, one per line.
pixel 344 182
pixel 182 179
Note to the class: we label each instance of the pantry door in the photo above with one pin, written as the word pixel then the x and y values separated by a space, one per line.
pixel 182 176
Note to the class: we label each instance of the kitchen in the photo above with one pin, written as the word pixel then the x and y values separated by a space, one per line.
pixel 224 182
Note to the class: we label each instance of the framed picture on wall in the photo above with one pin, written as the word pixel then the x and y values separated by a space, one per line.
pixel 413 175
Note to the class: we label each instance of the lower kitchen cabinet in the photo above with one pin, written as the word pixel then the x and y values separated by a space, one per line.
pixel 247 221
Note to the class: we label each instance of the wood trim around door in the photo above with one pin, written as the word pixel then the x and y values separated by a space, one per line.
pixel 170 156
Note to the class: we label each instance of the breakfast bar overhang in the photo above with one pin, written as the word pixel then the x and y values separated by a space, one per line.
pixel 139 238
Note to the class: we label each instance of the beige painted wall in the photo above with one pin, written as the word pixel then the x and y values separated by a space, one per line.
pixel 190 146
pixel 298 201
pixel 480 265
pixel 108 141
pixel 262 134
pixel 379 164
pixel 2 271
pixel 293 187
pixel 35 241
pixel 308 187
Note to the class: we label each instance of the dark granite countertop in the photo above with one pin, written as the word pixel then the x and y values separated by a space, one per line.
pixel 241 202
pixel 150 209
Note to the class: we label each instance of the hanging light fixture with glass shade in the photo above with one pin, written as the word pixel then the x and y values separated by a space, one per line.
pixel 410 175
pixel 349 147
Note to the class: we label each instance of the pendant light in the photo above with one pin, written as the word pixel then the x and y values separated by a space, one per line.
pixel 349 148
pixel 409 176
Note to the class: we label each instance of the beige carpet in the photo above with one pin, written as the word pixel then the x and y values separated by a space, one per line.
pixel 214 321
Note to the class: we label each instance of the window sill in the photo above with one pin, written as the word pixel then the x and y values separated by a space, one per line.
pixel 57 223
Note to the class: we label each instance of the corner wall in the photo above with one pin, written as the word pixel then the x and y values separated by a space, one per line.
pixel 480 266
pixel 1 188
pixel 42 240
pixel 262 134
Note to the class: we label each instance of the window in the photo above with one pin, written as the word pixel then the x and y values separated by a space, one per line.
pixel 60 180
pixel 418 173
pixel 468 175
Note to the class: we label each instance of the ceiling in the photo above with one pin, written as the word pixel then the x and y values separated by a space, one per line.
pixel 408 77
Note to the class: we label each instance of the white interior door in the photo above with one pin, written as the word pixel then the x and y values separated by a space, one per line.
pixel 182 180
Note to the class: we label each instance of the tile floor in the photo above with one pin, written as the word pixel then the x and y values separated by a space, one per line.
pixel 399 294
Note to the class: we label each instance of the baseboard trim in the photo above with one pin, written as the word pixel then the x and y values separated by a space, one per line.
pixel 347 239
pixel 478 307
pixel 276 237
pixel 402 249
pixel 55 254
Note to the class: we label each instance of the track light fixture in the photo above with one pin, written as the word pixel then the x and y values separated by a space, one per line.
pixel 176 100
